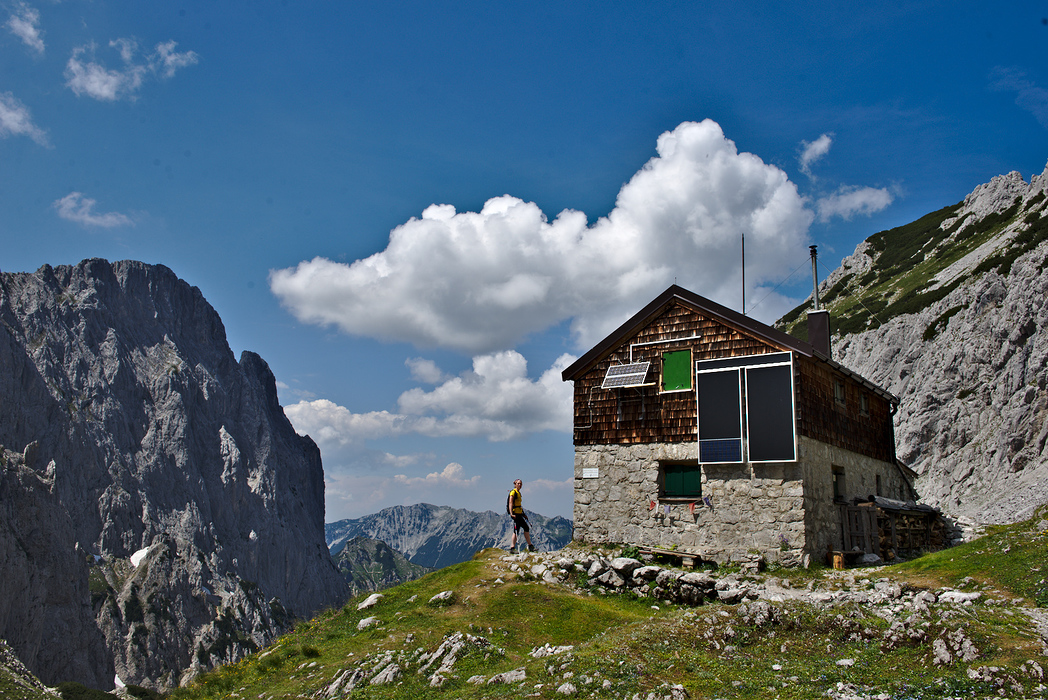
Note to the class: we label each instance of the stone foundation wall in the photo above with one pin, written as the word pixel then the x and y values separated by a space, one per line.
pixel 750 507
pixel 783 510
pixel 822 515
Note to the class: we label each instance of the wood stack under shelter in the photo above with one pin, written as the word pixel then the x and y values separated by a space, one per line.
pixel 892 529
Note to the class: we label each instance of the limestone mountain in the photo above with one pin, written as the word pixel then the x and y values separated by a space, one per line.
pixel 438 536
pixel 949 313
pixel 159 512
pixel 371 565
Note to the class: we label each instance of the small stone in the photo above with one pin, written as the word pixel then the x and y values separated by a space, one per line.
pixel 368 622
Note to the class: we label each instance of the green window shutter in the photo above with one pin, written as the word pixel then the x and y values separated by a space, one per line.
pixel 676 370
pixel 691 481
pixel 682 480
pixel 672 481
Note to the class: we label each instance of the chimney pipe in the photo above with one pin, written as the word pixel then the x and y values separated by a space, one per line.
pixel 818 319
pixel 814 275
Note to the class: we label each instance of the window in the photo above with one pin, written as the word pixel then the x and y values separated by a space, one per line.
pixel 864 404
pixel 681 480
pixel 878 491
pixel 769 414
pixel 720 416
pixel 838 483
pixel 676 370
pixel 755 390
pixel 838 392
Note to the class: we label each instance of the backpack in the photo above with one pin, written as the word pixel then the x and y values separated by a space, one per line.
pixel 509 503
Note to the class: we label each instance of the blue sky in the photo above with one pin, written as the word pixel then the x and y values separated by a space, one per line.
pixel 418 213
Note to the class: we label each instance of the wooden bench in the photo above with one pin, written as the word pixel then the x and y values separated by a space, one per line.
pixel 686 558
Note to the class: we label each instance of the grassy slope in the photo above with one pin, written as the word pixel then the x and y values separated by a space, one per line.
pixel 11 688
pixel 714 650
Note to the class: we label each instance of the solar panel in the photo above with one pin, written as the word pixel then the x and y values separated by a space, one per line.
pixel 621 376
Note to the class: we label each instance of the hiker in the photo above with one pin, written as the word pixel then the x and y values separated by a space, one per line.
pixel 520 519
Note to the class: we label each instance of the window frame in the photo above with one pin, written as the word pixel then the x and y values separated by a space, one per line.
pixel 680 466
pixel 688 370
pixel 840 393
pixel 840 483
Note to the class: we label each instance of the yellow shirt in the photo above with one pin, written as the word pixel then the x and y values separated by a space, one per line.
pixel 515 502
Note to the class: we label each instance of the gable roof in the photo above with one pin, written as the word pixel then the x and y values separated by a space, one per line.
pixel 745 324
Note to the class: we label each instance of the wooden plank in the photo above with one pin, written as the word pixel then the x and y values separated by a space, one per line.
pixel 689 559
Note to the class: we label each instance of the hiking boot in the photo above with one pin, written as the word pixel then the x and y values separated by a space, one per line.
pixel 531 548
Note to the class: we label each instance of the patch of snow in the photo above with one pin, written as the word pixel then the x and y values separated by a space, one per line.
pixel 138 556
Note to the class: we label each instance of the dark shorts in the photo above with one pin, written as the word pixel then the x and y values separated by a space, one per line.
pixel 520 523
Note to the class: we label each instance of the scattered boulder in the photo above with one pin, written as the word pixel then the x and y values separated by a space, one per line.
pixel 443 598
pixel 368 622
pixel 370 602
pixel 517 675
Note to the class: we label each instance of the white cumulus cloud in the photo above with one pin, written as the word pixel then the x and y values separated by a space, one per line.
pixel 481 281
pixel 533 485
pixel 77 208
pixel 25 24
pixel 849 201
pixel 495 400
pixel 85 76
pixel 15 120
pixel 423 370
pixel 452 475
pixel 352 493
pixel 811 152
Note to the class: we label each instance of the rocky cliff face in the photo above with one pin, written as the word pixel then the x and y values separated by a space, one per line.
pixel 438 536
pixel 169 479
pixel 967 351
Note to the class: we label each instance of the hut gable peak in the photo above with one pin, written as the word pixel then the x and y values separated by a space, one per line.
pixel 681 315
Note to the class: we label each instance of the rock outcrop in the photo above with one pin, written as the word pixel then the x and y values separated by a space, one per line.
pixel 45 578
pixel 439 536
pixel 177 507
pixel 971 368
pixel 370 565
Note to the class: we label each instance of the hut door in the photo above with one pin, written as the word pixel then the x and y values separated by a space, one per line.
pixel 860 529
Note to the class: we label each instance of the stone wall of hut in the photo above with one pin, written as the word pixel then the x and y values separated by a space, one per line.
pixel 783 510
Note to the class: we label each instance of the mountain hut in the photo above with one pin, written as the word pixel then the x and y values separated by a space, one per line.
pixel 701 430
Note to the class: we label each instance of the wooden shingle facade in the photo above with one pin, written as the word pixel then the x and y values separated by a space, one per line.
pixel 699 427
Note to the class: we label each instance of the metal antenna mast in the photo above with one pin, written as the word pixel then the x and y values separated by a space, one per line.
pixel 744 273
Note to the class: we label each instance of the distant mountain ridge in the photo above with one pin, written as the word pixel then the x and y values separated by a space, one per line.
pixel 950 313
pixel 438 536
